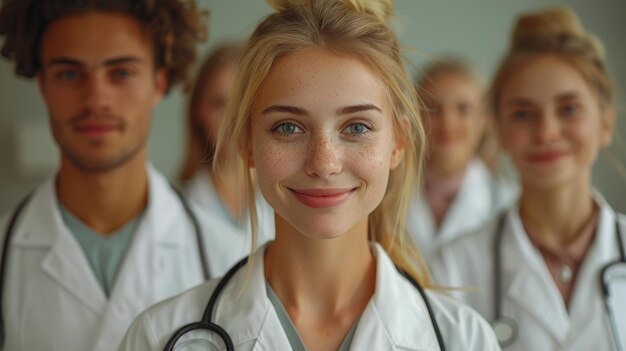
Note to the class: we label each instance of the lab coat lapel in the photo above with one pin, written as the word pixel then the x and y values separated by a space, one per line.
pixel 549 309
pixel 65 261
pixel 396 316
pixel 156 237
pixel 472 205
pixel 588 298
pixel 245 311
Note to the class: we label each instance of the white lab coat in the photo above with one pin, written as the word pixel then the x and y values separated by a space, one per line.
pixel 529 294
pixel 481 197
pixel 235 239
pixel 396 317
pixel 52 300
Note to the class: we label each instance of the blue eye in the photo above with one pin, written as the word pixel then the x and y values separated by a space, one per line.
pixel 569 110
pixel 121 74
pixel 287 128
pixel 68 75
pixel 521 115
pixel 357 128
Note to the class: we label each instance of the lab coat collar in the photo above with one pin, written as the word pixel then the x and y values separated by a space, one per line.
pixel 534 276
pixel 44 215
pixel 395 317
pixel 471 207
pixel 529 278
pixel 41 227
pixel 468 204
pixel 587 295
pixel 244 308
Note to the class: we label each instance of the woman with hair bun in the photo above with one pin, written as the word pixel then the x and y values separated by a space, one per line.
pixel 539 271
pixel 323 110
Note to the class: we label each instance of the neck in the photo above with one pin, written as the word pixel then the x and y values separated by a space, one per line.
pixel 558 214
pixel 105 201
pixel 318 280
pixel 439 173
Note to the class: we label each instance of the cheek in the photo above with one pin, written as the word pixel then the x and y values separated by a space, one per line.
pixel 513 139
pixel 370 162
pixel 275 161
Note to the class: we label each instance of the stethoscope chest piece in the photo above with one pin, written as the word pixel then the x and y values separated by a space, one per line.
pixel 505 330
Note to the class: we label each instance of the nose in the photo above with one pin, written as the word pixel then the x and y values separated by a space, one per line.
pixel 547 129
pixel 323 158
pixel 97 94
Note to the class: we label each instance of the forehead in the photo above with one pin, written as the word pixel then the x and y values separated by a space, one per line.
pixel 312 75
pixel 453 84
pixel 95 36
pixel 543 78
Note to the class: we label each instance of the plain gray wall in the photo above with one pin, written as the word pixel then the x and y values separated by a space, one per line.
pixel 477 30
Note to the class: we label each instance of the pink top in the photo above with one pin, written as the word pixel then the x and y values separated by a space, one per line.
pixel 565 261
pixel 440 192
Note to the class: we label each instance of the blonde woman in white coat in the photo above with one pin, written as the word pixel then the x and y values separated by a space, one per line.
pixel 324 111
pixel 538 269
pixel 462 189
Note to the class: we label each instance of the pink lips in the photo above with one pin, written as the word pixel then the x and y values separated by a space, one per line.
pixel 322 198
pixel 546 157
pixel 95 129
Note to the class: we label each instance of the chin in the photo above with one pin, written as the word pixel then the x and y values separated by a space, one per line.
pixel 321 229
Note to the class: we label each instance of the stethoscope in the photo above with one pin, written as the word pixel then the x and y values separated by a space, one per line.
pixel 505 328
pixel 11 229
pixel 206 324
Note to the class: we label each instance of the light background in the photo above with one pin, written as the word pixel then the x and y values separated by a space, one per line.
pixel 477 30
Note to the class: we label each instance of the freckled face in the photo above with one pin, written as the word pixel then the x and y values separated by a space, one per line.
pixel 323 141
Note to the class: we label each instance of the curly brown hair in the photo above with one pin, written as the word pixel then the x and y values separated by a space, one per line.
pixel 174 25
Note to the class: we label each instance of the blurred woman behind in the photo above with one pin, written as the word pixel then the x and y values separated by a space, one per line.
pixel 461 190
pixel 218 189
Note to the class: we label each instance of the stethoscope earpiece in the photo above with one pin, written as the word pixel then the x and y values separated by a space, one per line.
pixel 505 330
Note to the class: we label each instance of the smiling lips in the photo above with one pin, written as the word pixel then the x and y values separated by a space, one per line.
pixel 546 157
pixel 322 198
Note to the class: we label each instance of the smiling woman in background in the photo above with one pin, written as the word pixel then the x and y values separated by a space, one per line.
pixel 539 268
pixel 460 192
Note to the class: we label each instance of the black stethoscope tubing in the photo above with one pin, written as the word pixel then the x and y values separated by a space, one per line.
pixel 11 229
pixel 207 324
pixel 497 278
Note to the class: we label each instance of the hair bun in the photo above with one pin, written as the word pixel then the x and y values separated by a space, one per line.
pixel 551 28
pixel 381 9
pixel 551 21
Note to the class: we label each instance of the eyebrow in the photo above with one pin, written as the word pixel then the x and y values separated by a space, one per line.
pixel 525 101
pixel 110 62
pixel 568 95
pixel 302 112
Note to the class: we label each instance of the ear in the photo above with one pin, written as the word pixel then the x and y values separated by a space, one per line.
pixel 608 124
pixel 161 81
pixel 397 153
